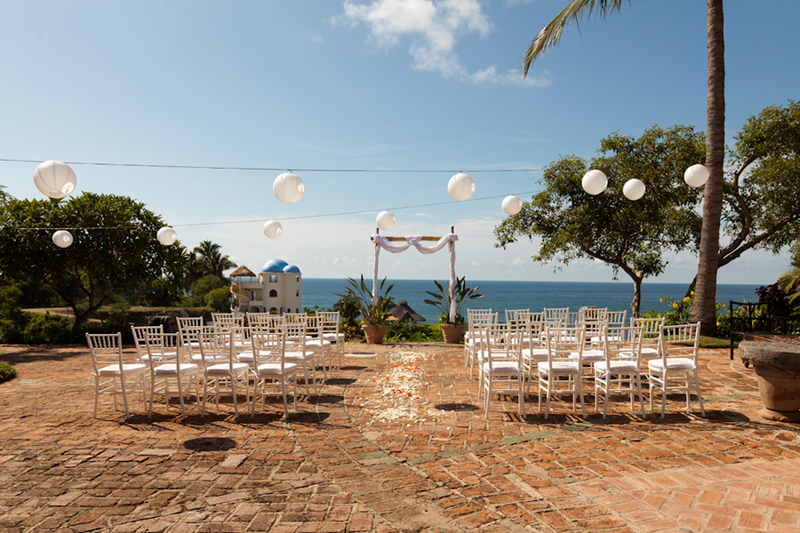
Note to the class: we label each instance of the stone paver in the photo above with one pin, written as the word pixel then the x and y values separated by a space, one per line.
pixel 394 441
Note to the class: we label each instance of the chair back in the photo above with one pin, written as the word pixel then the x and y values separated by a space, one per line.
pixel 492 343
pixel 514 316
pixel 139 338
pixel 676 341
pixel 295 330
pixel 268 347
pixel 651 327
pixel 330 322
pixel 163 348
pixel 314 325
pixel 624 343
pixel 565 344
pixel 215 347
pixel 266 322
pixel 187 321
pixel 106 350
pixel 616 318
pixel 592 314
pixel 475 322
pixel 227 321
pixel 556 316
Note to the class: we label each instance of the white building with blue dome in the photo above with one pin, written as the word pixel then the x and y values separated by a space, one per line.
pixel 277 289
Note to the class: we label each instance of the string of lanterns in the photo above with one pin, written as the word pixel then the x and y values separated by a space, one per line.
pixel 595 181
pixel 57 180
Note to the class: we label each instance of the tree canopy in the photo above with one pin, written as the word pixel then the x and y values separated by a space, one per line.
pixel 628 235
pixel 114 248
pixel 209 259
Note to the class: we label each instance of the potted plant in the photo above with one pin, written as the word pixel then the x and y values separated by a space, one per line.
pixel 375 315
pixel 452 331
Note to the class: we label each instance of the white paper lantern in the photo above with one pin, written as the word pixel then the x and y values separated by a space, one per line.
pixel 55 179
pixel 166 236
pixel 633 189
pixel 273 229
pixel 385 220
pixel 461 186
pixel 288 188
pixel 696 175
pixel 512 204
pixel 594 182
pixel 62 238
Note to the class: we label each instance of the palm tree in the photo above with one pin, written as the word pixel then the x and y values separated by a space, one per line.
pixel 703 309
pixel 211 259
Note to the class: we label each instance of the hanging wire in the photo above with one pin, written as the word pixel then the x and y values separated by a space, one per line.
pixel 301 217
pixel 274 169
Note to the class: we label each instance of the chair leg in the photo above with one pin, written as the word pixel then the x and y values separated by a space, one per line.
pixel 235 399
pixel 96 394
pixel 696 373
pixel 180 396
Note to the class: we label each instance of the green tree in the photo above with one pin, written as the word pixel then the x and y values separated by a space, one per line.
pixel 203 286
pixel 762 197
pixel 114 248
pixel 708 263
pixel 628 235
pixel 211 260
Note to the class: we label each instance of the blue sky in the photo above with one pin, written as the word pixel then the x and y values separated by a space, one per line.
pixel 365 84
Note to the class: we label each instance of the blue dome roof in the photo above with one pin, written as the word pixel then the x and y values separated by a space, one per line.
pixel 274 265
pixel 291 269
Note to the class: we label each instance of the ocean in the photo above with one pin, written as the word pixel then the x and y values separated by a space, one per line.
pixel 533 295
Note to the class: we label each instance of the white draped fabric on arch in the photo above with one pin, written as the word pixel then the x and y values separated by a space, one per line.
pixel 448 240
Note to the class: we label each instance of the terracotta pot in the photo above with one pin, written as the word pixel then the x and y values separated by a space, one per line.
pixel 452 333
pixel 374 334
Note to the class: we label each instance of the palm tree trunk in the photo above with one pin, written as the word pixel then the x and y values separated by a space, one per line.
pixel 703 309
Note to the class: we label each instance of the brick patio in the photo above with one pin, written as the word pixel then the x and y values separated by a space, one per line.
pixel 395 441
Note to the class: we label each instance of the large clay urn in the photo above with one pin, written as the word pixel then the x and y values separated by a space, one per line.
pixel 452 333
pixel 374 334
pixel 777 367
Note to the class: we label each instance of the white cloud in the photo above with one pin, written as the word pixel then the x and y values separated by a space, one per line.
pixel 518 262
pixel 432 26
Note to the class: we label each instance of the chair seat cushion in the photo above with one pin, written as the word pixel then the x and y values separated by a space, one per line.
pixel 113 370
pixel 617 367
pixel 649 353
pixel 675 364
pixel 274 369
pixel 172 368
pixel 560 367
pixel 317 342
pixel 501 367
pixel 298 355
pixel 534 354
pixel 334 337
pixel 225 368
pixel 589 356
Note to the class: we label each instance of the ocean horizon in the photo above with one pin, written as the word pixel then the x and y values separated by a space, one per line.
pixel 533 295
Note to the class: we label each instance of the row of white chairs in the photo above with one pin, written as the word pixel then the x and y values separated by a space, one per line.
pixel 272 354
pixel 512 356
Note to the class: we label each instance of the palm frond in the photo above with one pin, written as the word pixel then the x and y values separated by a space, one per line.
pixel 550 35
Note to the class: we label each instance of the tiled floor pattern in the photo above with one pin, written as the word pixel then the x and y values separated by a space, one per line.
pixel 395 441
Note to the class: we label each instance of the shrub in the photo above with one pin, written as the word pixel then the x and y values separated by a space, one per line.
pixel 47 329
pixel 406 331
pixel 7 372
pixel 219 299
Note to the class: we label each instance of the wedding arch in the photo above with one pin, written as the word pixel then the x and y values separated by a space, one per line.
pixel 448 240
